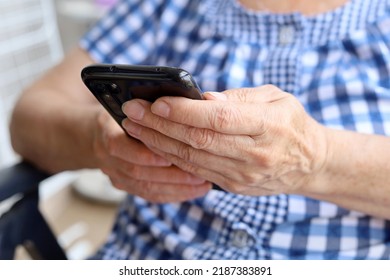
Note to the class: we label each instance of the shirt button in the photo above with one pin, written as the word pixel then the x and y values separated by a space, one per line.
pixel 286 35
pixel 240 238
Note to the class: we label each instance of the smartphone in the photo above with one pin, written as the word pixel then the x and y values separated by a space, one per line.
pixel 112 85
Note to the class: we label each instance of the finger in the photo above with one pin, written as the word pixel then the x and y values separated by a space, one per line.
pixel 230 146
pixel 247 106
pixel 262 94
pixel 227 180
pixel 194 156
pixel 163 193
pixel 245 111
pixel 111 141
pixel 211 95
pixel 233 175
pixel 133 151
pixel 221 116
pixel 172 174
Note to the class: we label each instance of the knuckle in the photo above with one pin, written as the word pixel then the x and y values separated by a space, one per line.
pixel 262 158
pixel 251 179
pixel 255 180
pixel 185 152
pixel 187 166
pixel 235 187
pixel 190 168
pixel 269 88
pixel 158 124
pixel 200 138
pixel 241 94
pixel 244 180
pixel 134 171
pixel 266 162
pixel 223 118
pixel 154 139
pixel 262 127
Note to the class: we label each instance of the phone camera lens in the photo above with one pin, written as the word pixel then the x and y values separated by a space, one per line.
pixel 114 88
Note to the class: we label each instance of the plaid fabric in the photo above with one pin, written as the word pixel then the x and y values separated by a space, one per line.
pixel 337 64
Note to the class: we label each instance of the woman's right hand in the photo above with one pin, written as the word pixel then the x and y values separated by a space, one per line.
pixel 134 168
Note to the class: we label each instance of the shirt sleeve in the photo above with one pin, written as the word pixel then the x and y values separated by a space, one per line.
pixel 126 34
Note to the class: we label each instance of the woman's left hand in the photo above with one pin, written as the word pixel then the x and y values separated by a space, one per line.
pixel 251 141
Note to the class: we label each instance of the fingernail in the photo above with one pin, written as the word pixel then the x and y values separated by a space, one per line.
pixel 216 95
pixel 133 110
pixel 161 108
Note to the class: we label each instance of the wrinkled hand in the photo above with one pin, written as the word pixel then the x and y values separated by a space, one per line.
pixel 252 141
pixel 132 167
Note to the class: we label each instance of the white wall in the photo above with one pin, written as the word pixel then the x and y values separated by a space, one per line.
pixel 29 45
pixel 34 34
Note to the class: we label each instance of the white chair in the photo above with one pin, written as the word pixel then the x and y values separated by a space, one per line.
pixel 29 45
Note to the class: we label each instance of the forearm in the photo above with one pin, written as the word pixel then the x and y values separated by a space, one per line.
pixel 56 133
pixel 53 123
pixel 357 173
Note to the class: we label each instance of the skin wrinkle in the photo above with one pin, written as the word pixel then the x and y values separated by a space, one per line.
pixel 200 139
pixel 193 168
pixel 187 154
pixel 224 118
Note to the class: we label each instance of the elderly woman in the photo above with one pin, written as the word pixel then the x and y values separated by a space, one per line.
pixel 294 129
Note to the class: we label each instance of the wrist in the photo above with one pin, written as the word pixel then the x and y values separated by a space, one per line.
pixel 339 167
pixel 318 180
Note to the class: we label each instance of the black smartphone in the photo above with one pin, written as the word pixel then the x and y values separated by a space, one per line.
pixel 112 85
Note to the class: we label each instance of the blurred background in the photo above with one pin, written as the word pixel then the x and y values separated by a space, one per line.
pixel 34 35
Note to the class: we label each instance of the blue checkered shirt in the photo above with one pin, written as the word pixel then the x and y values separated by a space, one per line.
pixel 338 66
